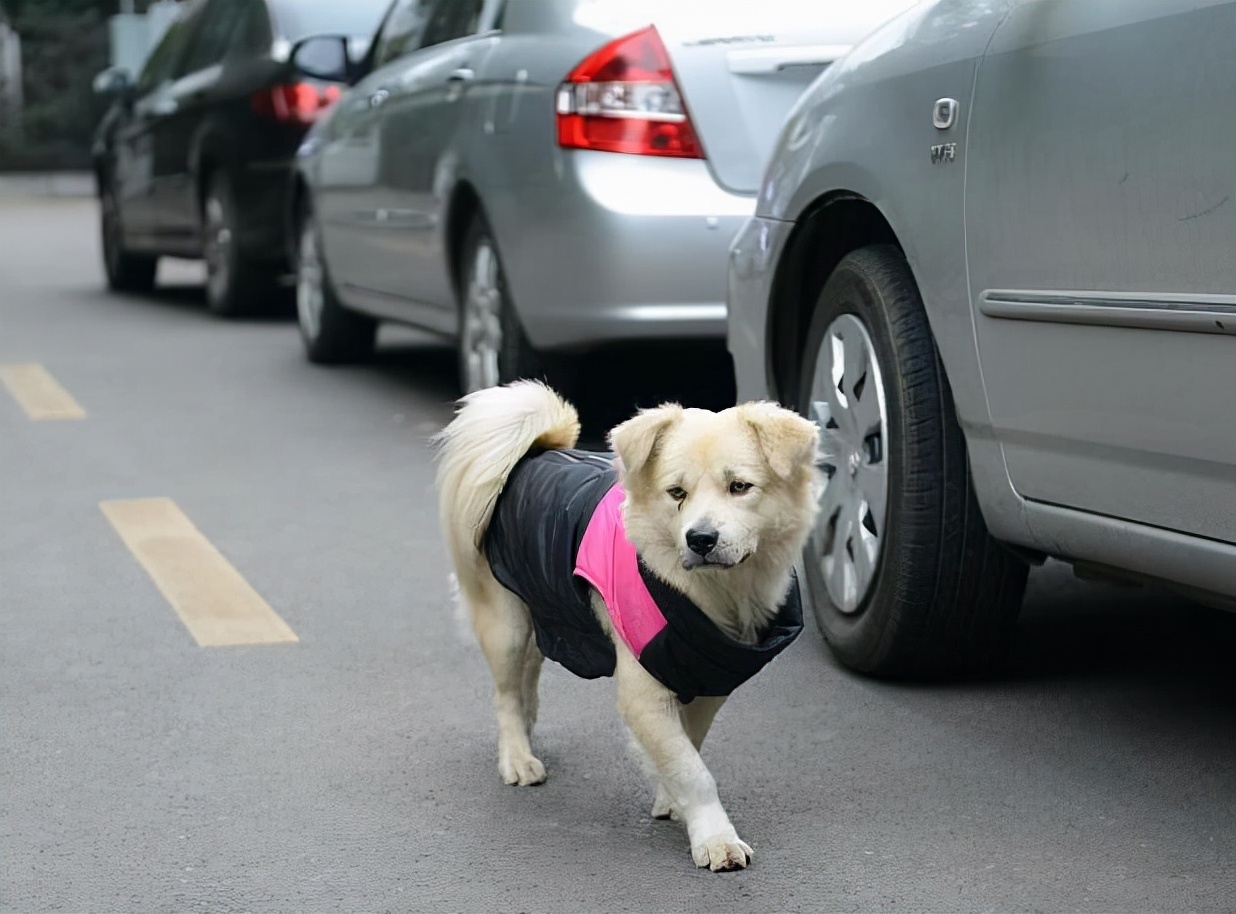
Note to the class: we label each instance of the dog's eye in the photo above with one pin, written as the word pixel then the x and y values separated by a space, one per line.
pixel 678 493
pixel 738 487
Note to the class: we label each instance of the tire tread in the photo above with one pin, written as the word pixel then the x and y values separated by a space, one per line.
pixel 946 594
pixel 253 287
pixel 344 336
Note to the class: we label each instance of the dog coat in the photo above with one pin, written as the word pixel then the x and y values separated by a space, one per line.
pixel 556 529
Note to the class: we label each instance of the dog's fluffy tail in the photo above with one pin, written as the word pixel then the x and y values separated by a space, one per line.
pixel 491 431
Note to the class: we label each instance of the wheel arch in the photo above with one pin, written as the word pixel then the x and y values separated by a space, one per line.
pixel 207 165
pixel 465 205
pixel 827 231
pixel 300 201
pixel 212 153
pixel 99 166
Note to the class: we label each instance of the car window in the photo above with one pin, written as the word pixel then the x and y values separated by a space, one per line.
pixel 452 19
pixel 163 58
pixel 253 35
pixel 500 17
pixel 212 37
pixel 297 19
pixel 402 30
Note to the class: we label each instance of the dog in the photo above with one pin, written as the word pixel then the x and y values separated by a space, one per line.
pixel 668 564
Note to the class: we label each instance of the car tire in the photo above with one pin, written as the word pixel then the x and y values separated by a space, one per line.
pixel 332 333
pixel 903 576
pixel 234 286
pixel 126 271
pixel 493 348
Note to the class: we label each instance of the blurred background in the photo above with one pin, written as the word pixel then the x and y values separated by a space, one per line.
pixel 50 50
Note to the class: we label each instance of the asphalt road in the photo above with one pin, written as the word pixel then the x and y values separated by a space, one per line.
pixel 353 768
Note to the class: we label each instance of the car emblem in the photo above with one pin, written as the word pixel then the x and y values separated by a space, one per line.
pixel 944 113
pixel 945 152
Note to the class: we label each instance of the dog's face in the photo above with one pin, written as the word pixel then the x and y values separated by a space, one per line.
pixel 709 490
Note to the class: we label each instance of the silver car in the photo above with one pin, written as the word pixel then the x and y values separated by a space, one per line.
pixel 533 177
pixel 995 258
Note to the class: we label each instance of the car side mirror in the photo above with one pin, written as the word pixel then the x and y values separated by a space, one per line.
pixel 324 57
pixel 116 82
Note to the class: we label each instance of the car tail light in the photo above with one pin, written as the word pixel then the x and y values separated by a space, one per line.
pixel 298 103
pixel 623 98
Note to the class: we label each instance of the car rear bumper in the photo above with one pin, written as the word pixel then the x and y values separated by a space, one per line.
pixel 623 247
pixel 753 257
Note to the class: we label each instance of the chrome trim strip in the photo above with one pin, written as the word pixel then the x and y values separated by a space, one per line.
pixel 1192 314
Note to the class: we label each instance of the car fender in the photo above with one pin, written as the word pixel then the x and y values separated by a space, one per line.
pixel 865 130
pixel 213 146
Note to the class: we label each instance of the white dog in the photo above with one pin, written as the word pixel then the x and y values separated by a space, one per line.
pixel 670 568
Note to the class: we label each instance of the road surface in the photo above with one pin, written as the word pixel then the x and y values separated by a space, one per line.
pixel 332 748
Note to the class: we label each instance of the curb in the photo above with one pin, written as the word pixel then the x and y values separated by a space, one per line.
pixel 47 184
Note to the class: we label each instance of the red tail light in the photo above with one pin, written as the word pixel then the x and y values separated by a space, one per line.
pixel 623 98
pixel 297 103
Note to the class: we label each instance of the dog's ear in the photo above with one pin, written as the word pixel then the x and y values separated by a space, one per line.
pixel 787 440
pixel 636 440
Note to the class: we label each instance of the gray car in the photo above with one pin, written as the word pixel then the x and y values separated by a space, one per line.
pixel 533 177
pixel 995 258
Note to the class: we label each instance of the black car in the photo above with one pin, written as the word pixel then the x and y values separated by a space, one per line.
pixel 193 158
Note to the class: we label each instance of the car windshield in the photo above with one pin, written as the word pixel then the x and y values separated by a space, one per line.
pixel 298 18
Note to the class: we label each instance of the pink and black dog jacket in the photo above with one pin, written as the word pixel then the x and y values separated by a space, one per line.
pixel 556 529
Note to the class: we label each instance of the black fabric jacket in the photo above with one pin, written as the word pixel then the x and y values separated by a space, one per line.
pixel 531 544
pixel 538 523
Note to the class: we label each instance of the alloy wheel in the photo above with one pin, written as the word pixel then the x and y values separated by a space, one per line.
pixel 848 403
pixel 481 327
pixel 310 296
pixel 217 247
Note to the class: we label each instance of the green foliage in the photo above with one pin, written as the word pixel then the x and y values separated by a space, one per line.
pixel 64 44
pixel 14 10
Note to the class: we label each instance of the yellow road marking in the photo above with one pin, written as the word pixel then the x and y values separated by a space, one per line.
pixel 213 600
pixel 38 393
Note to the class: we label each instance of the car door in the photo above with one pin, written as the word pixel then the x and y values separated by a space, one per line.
pixel 419 123
pixel 133 178
pixel 347 195
pixel 188 104
pixel 1101 241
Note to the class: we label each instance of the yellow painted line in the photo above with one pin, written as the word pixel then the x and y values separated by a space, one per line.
pixel 38 393
pixel 214 601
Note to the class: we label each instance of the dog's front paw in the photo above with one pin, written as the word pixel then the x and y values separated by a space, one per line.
pixel 725 851
pixel 522 770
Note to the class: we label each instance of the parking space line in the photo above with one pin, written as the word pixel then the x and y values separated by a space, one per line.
pixel 213 600
pixel 38 393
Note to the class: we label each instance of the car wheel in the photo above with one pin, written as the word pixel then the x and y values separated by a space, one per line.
pixel 903 576
pixel 234 287
pixel 126 271
pixel 493 348
pixel 332 334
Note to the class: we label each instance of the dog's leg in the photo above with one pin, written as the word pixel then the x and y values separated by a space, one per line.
pixel 651 712
pixel 533 659
pixel 504 629
pixel 696 717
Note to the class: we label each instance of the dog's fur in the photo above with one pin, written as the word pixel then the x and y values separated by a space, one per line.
pixel 662 453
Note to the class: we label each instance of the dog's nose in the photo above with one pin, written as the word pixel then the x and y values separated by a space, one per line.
pixel 701 542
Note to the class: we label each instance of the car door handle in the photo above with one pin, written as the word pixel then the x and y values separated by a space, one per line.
pixel 461 75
